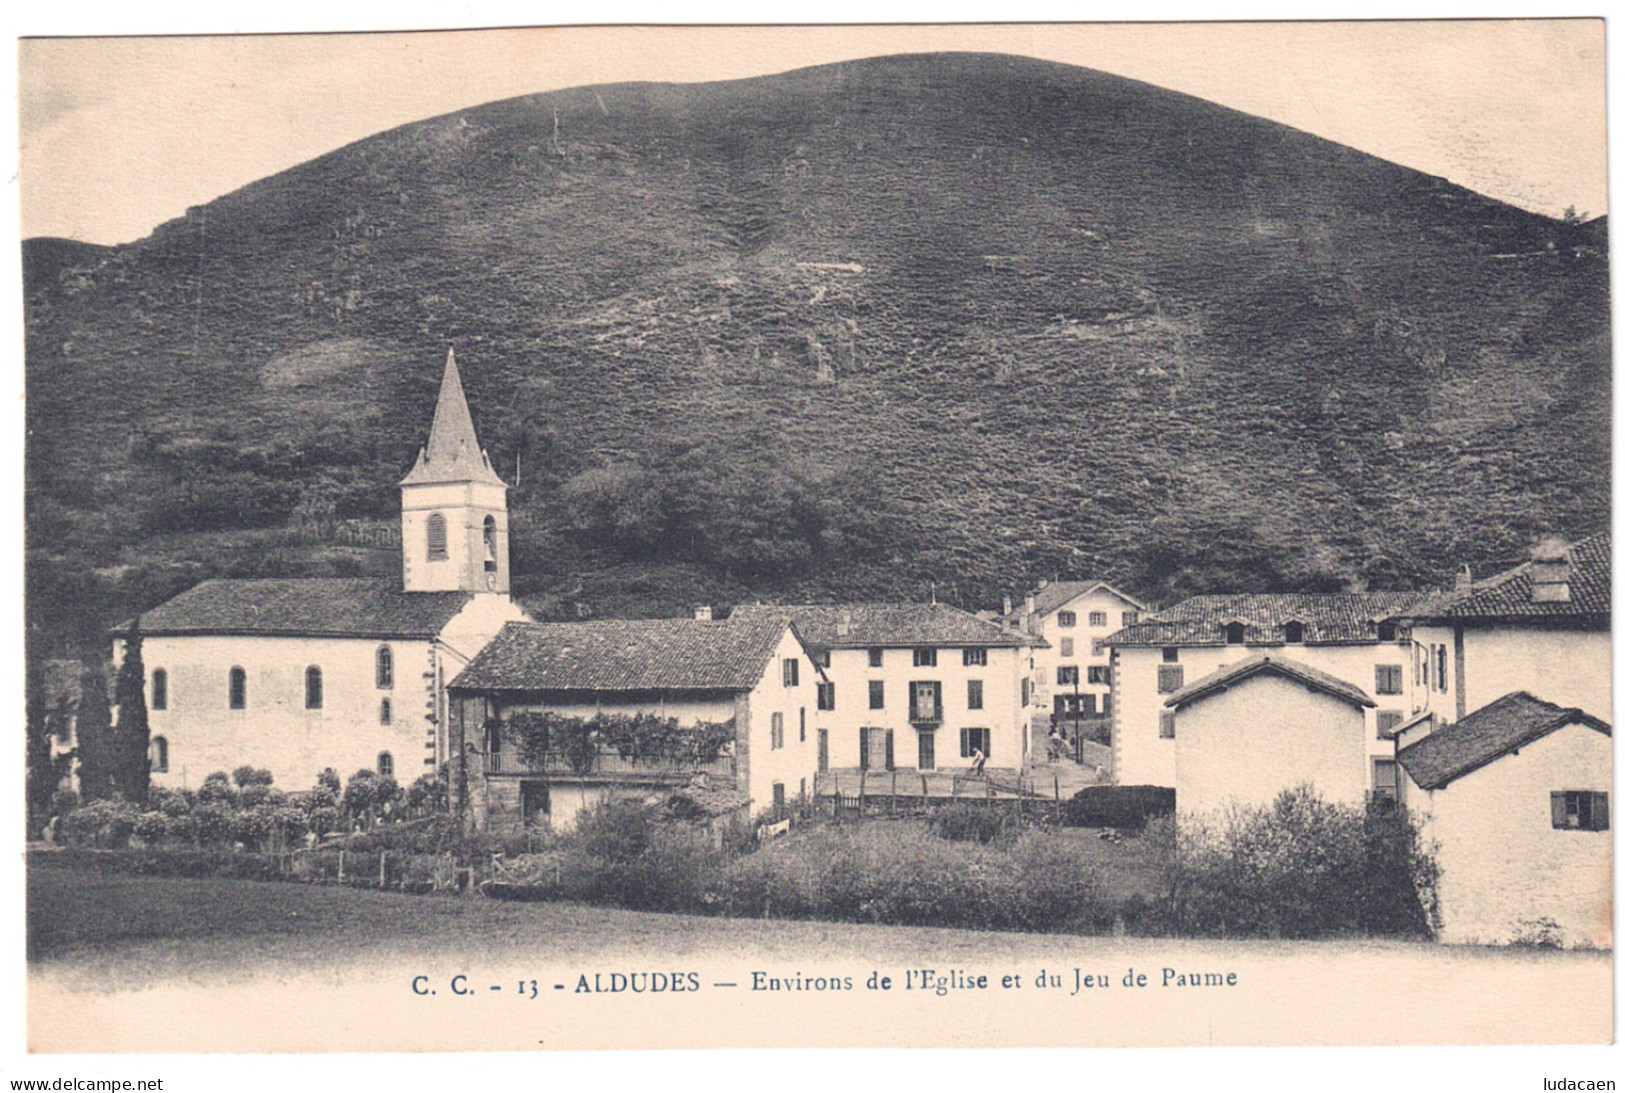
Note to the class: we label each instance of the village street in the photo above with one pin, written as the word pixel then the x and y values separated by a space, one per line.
pixel 316 968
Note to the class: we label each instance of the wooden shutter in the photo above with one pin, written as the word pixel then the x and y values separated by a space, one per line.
pixel 863 749
pixel 1559 812
pixel 1599 812
pixel 891 761
pixel 964 743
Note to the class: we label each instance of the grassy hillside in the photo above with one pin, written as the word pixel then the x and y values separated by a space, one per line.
pixel 850 330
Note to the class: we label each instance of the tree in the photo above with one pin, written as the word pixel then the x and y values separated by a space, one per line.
pixel 95 729
pixel 132 771
pixel 42 774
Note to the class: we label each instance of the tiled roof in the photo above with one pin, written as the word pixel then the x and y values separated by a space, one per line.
pixel 1508 595
pixel 883 624
pixel 626 655
pixel 707 802
pixel 1327 617
pixel 1269 664
pixel 1056 593
pixel 318 607
pixel 1485 735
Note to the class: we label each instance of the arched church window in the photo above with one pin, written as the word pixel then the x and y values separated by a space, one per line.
pixel 386 712
pixel 160 689
pixel 386 668
pixel 490 544
pixel 386 764
pixel 237 686
pixel 437 537
pixel 159 754
pixel 313 688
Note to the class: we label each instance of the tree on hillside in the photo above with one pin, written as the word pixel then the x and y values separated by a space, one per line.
pixel 131 769
pixel 95 728
pixel 41 770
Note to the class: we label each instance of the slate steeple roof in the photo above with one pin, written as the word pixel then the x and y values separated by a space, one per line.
pixel 453 453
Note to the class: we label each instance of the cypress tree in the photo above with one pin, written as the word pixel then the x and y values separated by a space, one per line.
pixel 132 770
pixel 41 771
pixel 95 732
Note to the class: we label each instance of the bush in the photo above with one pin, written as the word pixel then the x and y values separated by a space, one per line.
pixel 216 790
pixel 180 828
pixel 962 822
pixel 64 801
pixel 150 827
pixel 325 821
pixel 1124 807
pixel 211 822
pixel 616 831
pixel 253 795
pixel 1303 867
pixel 107 824
pixel 246 776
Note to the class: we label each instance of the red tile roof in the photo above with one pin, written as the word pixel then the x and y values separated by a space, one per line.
pixel 312 607
pixel 886 624
pixel 1485 735
pixel 1508 595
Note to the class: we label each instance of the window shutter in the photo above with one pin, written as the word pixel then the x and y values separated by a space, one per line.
pixel 891 761
pixel 1559 814
pixel 964 743
pixel 863 749
pixel 1599 811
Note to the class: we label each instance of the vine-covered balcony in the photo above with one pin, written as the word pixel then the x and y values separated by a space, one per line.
pixel 609 745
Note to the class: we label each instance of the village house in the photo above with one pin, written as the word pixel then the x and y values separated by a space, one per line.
pixel 296 675
pixel 1349 637
pixel 1264 725
pixel 913 685
pixel 552 717
pixel 1072 672
pixel 1514 799
pixel 1541 627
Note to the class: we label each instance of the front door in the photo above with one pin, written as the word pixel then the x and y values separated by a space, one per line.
pixel 928 751
pixel 876 749
pixel 823 749
pixel 533 802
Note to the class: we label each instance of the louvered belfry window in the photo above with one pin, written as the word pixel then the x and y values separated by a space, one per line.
pixel 437 537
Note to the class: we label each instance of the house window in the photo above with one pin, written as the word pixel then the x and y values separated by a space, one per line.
pixel 1170 678
pixel 1235 633
pixel 803 724
pixel 1130 618
pixel 490 544
pixel 975 740
pixel 792 672
pixel 776 740
pixel 1100 673
pixel 822 658
pixel 1390 679
pixel 160 689
pixel 1292 632
pixel 1170 654
pixel 1422 666
pixel 973 694
pixel 158 753
pixel 877 694
pixel 1579 810
pixel 1039 676
pixel 1026 692
pixel 1387 722
pixel 1066 675
pixel 1441 665
pixel 313 688
pixel 925 658
pixel 1066 647
pixel 826 696
pixel 1387 631
pixel 386 712
pixel 778 796
pixel 925 702
pixel 1385 784
pixel 386 764
pixel 876 656
pixel 975 658
pixel 1165 725
pixel 437 537
pixel 385 668
pixel 1066 619
pixel 1097 618
pixel 237 689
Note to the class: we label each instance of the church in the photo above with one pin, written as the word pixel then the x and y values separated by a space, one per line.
pixel 297 675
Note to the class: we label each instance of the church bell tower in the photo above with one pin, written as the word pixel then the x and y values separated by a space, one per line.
pixel 454 508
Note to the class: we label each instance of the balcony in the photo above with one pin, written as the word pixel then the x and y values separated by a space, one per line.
pixel 607 764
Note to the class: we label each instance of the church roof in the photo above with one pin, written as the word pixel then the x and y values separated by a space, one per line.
pixel 453 453
pixel 626 655
pixel 345 607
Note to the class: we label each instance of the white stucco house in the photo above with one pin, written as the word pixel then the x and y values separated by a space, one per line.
pixel 1515 799
pixel 922 686
pixel 1264 725
pixel 296 675
pixel 634 708
pixel 1349 637
pixel 1072 670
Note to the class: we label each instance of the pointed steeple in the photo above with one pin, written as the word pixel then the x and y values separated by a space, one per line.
pixel 453 453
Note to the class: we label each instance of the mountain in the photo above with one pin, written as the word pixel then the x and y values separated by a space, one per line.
pixel 847 331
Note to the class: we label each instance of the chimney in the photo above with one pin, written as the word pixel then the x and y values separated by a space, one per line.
pixel 1464 579
pixel 843 625
pixel 1550 571
pixel 1032 604
pixel 1007 607
pixel 703 613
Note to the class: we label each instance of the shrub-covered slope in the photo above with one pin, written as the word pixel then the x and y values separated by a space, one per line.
pixel 845 331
